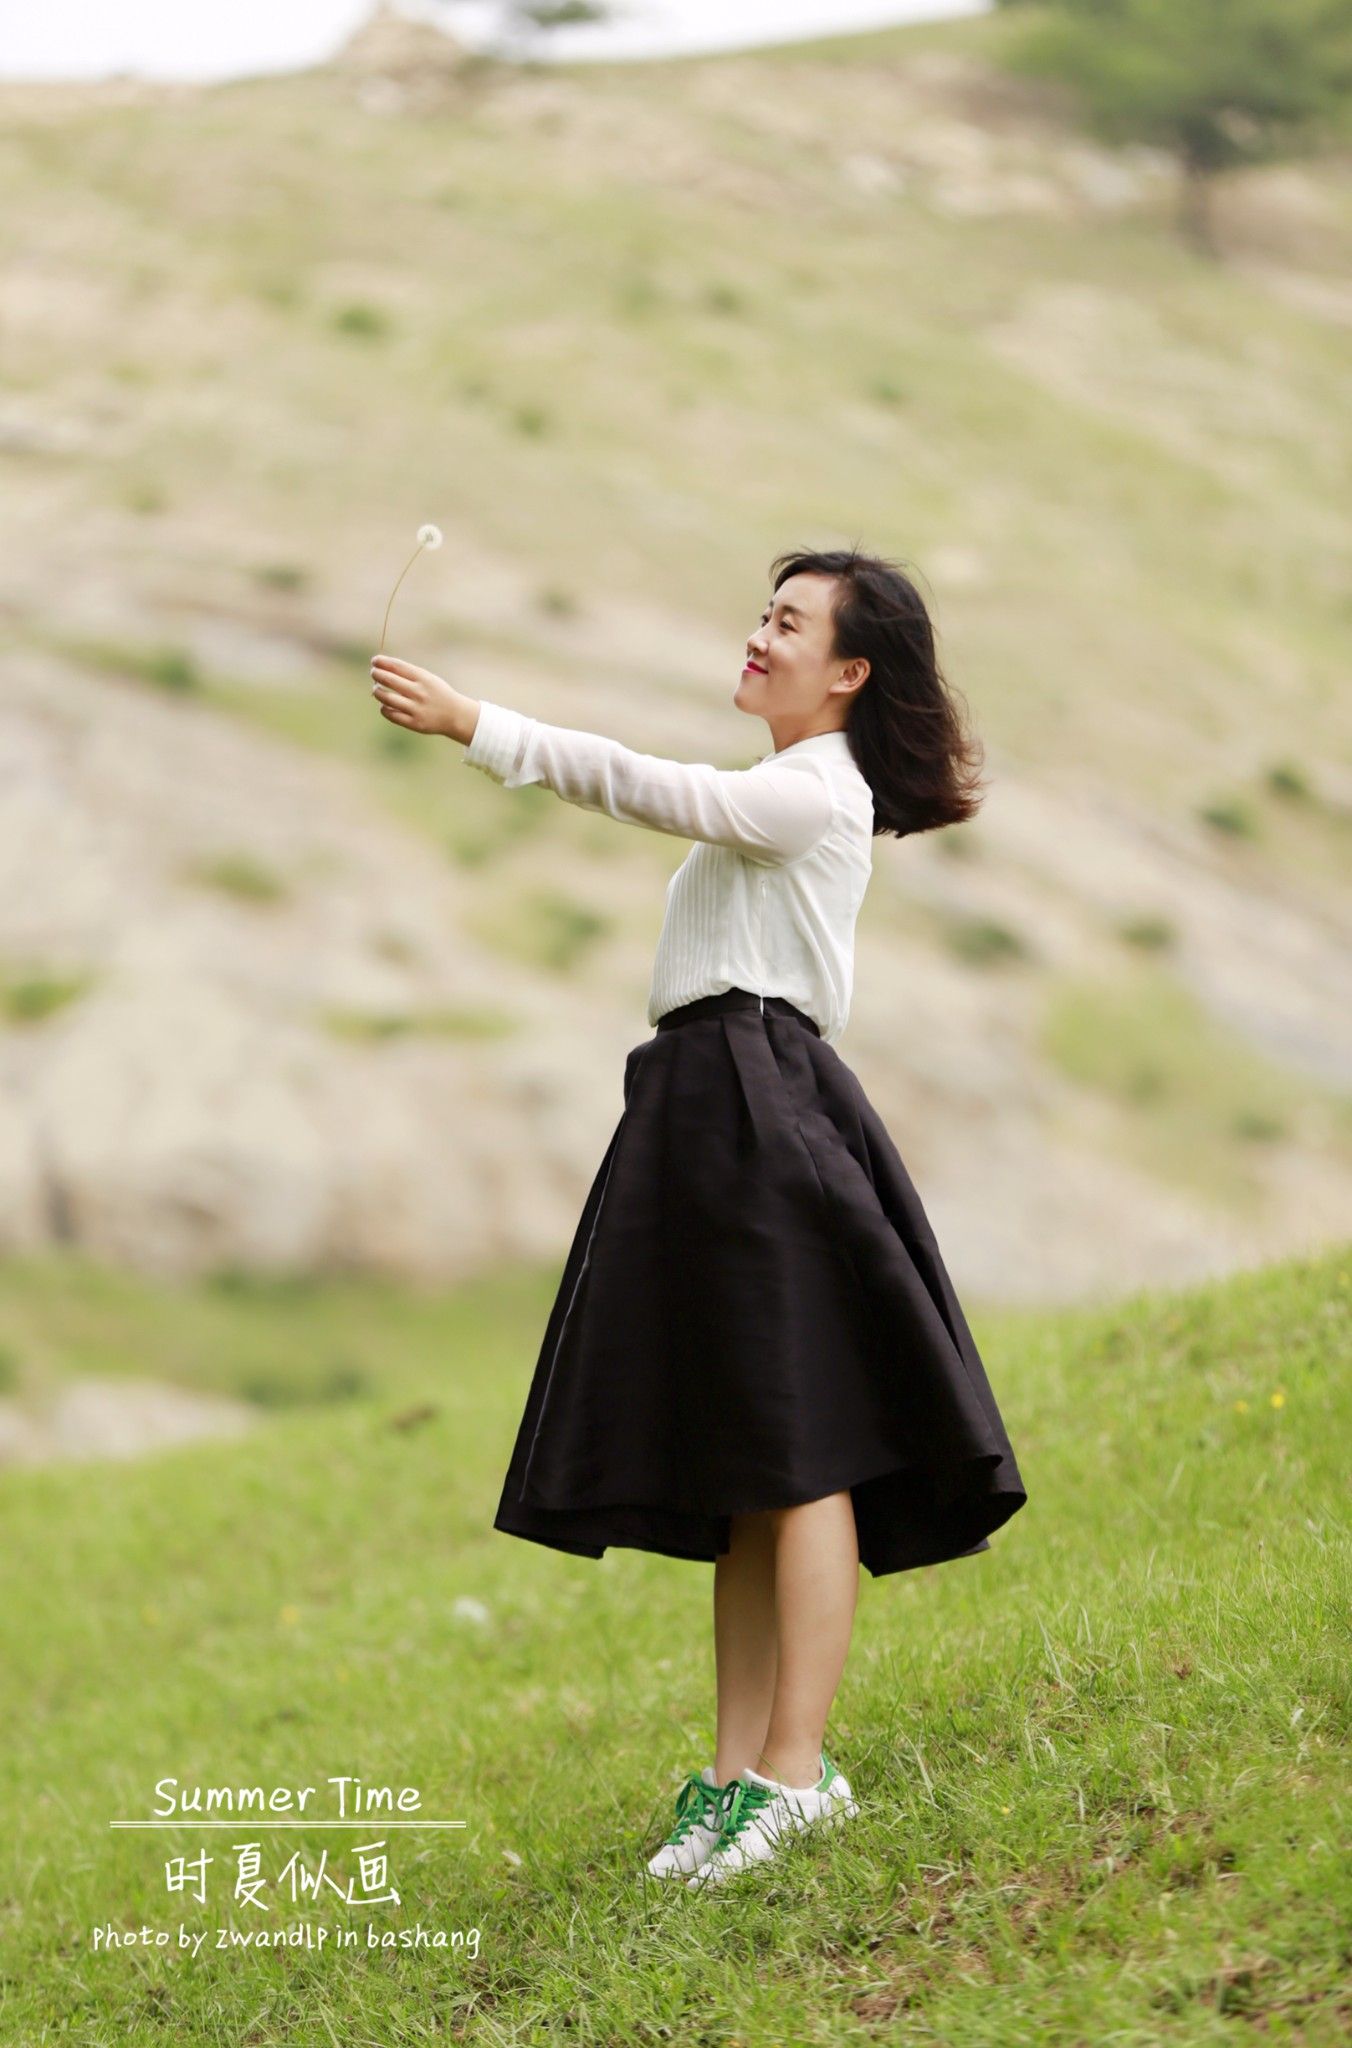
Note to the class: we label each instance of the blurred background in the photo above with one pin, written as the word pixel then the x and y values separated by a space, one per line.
pixel 1049 305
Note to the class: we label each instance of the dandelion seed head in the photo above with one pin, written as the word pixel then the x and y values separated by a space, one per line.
pixel 429 536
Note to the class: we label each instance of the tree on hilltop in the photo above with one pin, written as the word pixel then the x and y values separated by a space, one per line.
pixel 523 26
pixel 1218 83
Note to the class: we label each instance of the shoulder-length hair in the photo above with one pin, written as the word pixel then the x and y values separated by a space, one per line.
pixel 906 729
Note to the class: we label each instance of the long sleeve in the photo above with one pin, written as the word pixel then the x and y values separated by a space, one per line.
pixel 772 813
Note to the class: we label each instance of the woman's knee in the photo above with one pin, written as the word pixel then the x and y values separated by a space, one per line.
pixel 827 1503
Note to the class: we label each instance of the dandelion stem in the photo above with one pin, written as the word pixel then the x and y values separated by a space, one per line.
pixel 395 592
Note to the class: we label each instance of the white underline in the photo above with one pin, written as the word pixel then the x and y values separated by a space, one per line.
pixel 368 1824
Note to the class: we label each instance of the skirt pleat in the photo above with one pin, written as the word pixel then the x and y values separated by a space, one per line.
pixel 754 1313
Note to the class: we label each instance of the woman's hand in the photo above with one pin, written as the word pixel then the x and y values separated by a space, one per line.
pixel 415 698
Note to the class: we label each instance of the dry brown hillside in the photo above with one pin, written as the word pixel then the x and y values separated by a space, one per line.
pixel 285 987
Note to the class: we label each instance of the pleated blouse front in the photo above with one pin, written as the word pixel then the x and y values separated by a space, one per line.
pixel 768 897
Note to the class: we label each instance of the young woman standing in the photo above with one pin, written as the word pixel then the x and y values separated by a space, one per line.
pixel 755 1357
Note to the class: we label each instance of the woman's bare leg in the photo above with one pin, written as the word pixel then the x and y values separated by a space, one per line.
pixel 744 1643
pixel 816 1577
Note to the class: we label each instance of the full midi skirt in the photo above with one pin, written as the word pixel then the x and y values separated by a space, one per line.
pixel 754 1313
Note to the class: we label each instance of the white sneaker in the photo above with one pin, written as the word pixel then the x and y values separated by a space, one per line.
pixel 699 1826
pixel 760 1812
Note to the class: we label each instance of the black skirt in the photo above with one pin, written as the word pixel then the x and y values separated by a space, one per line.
pixel 754 1313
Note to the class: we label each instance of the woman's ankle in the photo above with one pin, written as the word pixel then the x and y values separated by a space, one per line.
pixel 798 1769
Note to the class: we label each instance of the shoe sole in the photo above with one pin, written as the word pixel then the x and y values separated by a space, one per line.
pixel 665 1876
pixel 846 1811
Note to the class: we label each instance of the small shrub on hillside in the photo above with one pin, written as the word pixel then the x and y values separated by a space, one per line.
pixel 984 941
pixel 397 743
pixel 1151 932
pixel 281 576
pixel 241 875
pixel 171 668
pixel 365 322
pixel 1229 815
pixel 1257 1126
pixel 30 997
pixel 1285 779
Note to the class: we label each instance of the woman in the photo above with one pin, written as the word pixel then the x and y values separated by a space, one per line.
pixel 755 1356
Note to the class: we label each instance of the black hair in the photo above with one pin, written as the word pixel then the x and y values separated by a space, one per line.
pixel 906 729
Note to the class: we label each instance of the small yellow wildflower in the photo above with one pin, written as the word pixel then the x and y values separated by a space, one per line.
pixel 1278 1399
pixel 1241 1407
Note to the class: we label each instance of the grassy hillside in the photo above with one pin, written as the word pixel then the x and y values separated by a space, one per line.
pixel 1102 1767
pixel 624 332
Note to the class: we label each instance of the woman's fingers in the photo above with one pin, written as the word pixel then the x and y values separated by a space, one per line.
pixel 405 669
pixel 396 685
pixel 404 691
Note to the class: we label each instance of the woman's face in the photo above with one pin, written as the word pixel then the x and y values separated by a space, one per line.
pixel 790 669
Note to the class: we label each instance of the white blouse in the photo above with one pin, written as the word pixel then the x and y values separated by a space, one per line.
pixel 767 899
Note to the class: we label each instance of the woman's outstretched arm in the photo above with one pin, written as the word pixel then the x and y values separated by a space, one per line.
pixel 774 812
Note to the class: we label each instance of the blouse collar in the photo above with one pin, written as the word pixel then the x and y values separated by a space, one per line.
pixel 822 742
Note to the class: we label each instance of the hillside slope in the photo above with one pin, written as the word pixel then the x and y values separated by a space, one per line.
pixel 287 987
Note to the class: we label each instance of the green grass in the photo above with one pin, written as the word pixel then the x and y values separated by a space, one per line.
pixel 241 875
pixel 31 995
pixel 1102 1767
pixel 545 929
pixel 1192 1102
pixel 448 1021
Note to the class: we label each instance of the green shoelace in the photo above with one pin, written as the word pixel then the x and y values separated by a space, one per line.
pixel 741 1804
pixel 697 1805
